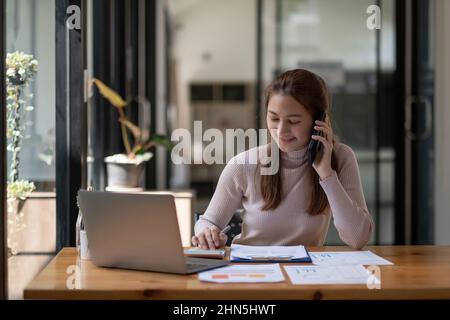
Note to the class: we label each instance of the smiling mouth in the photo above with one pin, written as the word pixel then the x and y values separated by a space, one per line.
pixel 287 140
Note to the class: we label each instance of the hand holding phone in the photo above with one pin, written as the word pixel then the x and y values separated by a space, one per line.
pixel 314 145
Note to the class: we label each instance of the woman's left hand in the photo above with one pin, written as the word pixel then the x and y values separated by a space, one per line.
pixel 322 164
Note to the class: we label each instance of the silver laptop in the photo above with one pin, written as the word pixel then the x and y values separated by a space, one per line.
pixel 137 231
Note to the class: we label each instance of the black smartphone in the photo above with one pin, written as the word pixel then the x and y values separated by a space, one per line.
pixel 314 145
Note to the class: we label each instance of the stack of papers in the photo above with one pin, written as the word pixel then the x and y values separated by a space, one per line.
pixel 243 253
pixel 342 267
pixel 244 273
pixel 330 275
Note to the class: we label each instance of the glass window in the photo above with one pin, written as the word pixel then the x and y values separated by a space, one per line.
pixel 328 37
pixel 30 45
pixel 332 39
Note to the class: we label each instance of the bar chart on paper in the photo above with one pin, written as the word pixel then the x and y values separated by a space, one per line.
pixel 244 273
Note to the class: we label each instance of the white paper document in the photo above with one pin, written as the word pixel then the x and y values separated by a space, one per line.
pixel 330 275
pixel 343 258
pixel 244 273
pixel 267 252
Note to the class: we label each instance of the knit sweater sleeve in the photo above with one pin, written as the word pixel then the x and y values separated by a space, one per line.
pixel 346 198
pixel 227 197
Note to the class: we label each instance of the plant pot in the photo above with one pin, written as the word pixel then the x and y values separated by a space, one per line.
pixel 124 175
pixel 122 172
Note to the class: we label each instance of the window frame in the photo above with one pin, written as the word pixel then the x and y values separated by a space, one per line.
pixel 71 120
pixel 3 222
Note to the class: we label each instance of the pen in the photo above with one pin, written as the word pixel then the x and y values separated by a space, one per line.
pixel 226 229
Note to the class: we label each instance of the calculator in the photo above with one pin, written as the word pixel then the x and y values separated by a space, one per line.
pixel 205 253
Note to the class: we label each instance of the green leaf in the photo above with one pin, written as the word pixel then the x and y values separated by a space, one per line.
pixel 20 189
pixel 162 141
pixel 111 95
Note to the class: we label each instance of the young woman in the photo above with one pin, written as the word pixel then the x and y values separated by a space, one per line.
pixel 295 205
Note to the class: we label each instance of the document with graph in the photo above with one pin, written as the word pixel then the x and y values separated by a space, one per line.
pixel 309 275
pixel 244 273
pixel 342 258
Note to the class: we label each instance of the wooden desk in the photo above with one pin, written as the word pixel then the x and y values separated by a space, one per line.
pixel 420 272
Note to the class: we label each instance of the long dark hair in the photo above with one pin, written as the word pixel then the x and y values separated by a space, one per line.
pixel 310 91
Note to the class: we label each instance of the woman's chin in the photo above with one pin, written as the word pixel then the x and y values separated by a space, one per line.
pixel 290 147
pixel 286 147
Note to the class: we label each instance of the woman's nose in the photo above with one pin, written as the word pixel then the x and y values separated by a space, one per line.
pixel 283 128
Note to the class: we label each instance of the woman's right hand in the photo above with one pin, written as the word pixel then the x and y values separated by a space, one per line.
pixel 210 238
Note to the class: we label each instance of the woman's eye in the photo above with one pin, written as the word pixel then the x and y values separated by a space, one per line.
pixel 294 122
pixel 274 119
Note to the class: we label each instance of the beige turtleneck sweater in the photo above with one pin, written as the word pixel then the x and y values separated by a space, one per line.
pixel 289 223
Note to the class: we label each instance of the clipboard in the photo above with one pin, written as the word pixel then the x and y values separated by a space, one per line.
pixel 278 259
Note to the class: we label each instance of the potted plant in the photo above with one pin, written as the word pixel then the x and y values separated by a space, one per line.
pixel 125 169
pixel 20 70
